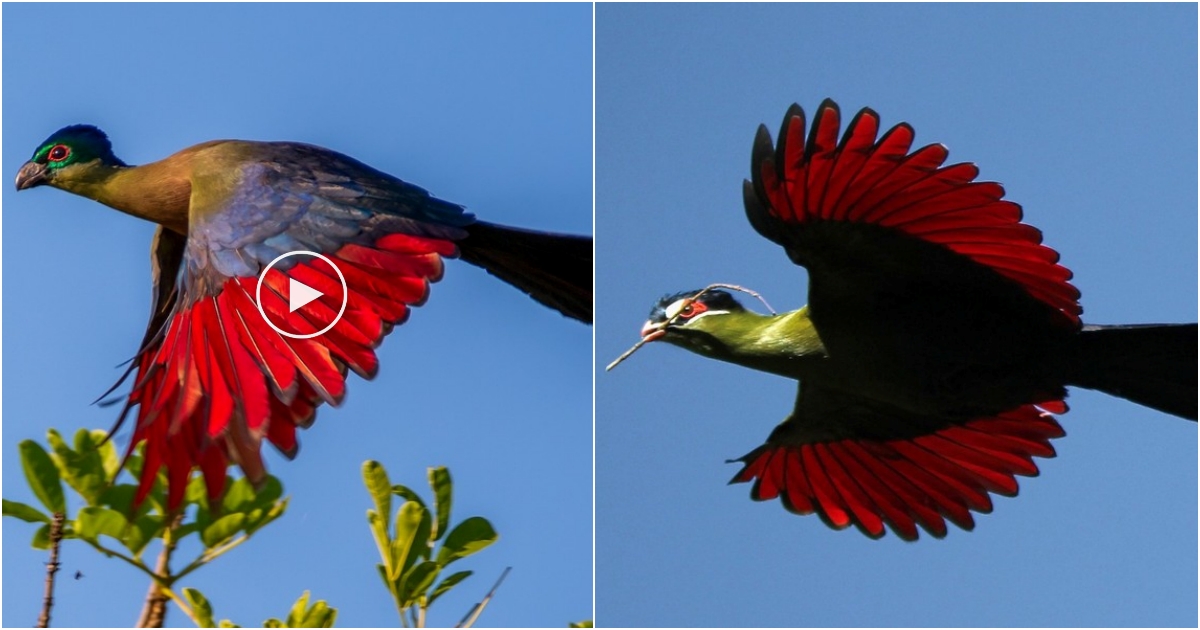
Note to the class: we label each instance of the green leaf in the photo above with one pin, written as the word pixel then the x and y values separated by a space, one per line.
pixel 200 607
pixel 185 530
pixel 258 518
pixel 120 497
pixel 146 528
pixel 54 439
pixel 380 534
pixel 297 611
pixel 25 512
pixel 134 463
pixel 41 538
pixel 439 480
pixel 407 494
pixel 466 538
pixel 108 453
pixel 418 580
pixel 320 615
pixel 315 617
pixel 222 529
pixel 268 494
pixel 93 480
pixel 448 584
pixel 587 623
pixel 94 522
pixel 406 542
pixel 383 574
pixel 238 497
pixel 82 468
pixel 421 549
pixel 197 492
pixel 273 623
pixel 376 480
pixel 42 475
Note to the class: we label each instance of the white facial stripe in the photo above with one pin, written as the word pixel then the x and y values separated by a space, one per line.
pixel 706 314
pixel 674 308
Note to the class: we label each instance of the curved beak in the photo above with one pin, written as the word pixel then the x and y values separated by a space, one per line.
pixel 31 174
pixel 653 332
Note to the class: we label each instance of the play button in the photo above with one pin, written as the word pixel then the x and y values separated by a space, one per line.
pixel 301 294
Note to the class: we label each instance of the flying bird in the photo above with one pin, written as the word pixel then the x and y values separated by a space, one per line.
pixel 938 340
pixel 213 377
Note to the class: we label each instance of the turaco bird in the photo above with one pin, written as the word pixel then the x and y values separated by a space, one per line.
pixel 213 378
pixel 938 338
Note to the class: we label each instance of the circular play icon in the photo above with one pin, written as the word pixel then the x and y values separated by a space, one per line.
pixel 300 295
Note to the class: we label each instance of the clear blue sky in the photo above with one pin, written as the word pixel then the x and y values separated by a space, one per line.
pixel 487 106
pixel 1087 115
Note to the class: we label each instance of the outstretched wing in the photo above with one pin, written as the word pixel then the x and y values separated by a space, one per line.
pixel 821 197
pixel 213 379
pixel 830 457
pixel 922 274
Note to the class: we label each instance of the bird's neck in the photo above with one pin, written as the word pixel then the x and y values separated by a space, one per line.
pixel 156 192
pixel 785 344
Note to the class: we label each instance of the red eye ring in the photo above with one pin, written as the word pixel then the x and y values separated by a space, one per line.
pixel 692 309
pixel 59 153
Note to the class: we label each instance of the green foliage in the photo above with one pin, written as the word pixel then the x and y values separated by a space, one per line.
pixel 407 542
pixel 91 468
pixel 416 543
pixel 202 611
pixel 42 475
pixel 25 512
pixel 581 624
pixel 319 615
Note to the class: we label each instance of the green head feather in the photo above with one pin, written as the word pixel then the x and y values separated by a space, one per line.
pixel 77 144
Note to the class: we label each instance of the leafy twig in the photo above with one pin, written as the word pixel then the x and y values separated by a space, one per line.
pixel 209 555
pixel 112 553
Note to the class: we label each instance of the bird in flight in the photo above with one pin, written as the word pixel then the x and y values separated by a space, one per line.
pixel 938 340
pixel 215 375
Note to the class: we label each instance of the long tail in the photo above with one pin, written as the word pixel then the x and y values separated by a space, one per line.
pixel 1152 365
pixel 554 269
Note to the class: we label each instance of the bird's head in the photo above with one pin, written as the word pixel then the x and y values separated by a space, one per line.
pixel 68 154
pixel 700 323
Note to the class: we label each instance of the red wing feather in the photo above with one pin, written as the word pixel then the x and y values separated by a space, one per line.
pixel 219 379
pixel 905 482
pixel 799 493
pixel 864 181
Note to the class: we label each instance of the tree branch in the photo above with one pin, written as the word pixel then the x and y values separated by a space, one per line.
pixel 477 610
pixel 211 554
pixel 154 612
pixel 56 527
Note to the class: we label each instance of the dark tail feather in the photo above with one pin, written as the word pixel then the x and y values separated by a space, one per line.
pixel 554 269
pixel 1152 365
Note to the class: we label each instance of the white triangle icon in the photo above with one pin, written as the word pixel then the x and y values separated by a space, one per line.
pixel 300 294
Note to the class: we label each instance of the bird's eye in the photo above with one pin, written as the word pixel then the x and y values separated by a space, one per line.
pixel 692 309
pixel 59 153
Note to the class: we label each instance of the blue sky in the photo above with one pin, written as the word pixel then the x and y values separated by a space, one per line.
pixel 487 106
pixel 1087 115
